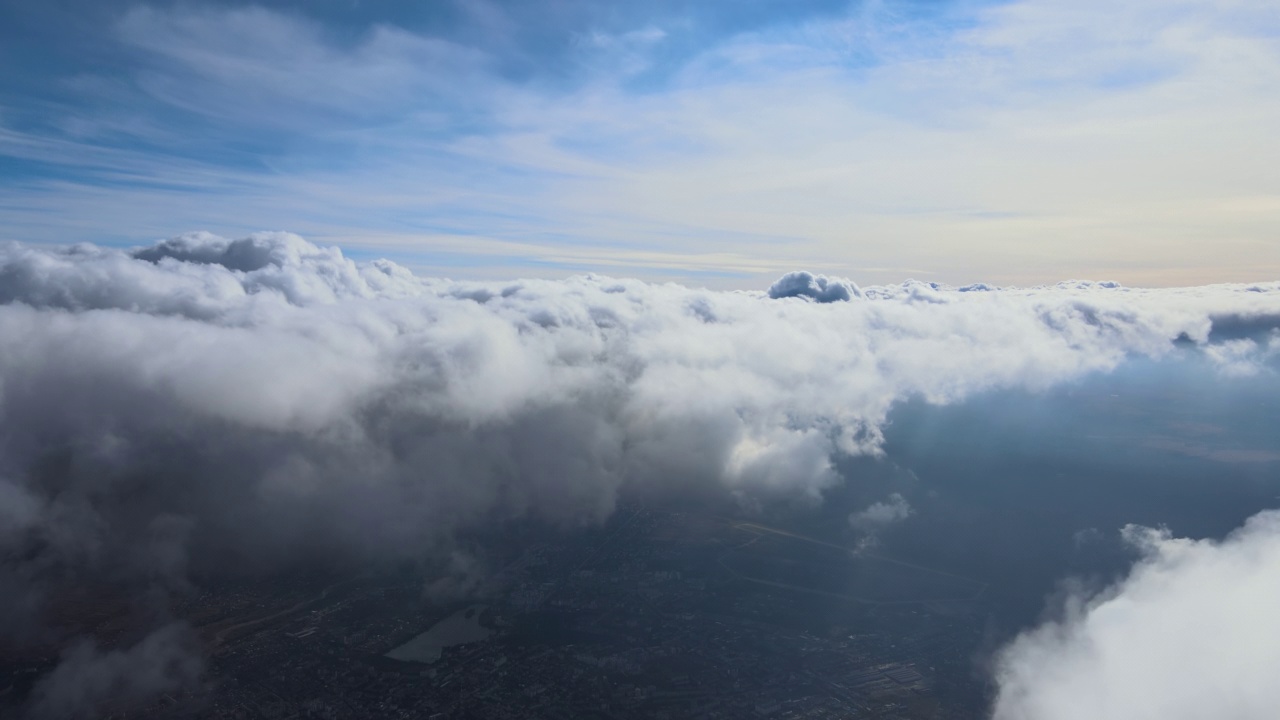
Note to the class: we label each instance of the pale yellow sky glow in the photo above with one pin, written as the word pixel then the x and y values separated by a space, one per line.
pixel 1003 160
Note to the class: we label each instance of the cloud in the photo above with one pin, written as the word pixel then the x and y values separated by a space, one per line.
pixel 882 513
pixel 1190 633
pixel 207 406
pixel 818 288
pixel 1247 356
pixel 1028 139
pixel 87 678
pixel 229 63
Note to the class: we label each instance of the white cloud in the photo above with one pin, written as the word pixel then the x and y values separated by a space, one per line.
pixel 1191 633
pixel 273 340
pixel 1245 357
pixel 885 512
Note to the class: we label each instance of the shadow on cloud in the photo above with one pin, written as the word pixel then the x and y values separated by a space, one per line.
pixel 207 406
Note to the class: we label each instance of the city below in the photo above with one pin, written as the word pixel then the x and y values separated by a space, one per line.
pixel 656 614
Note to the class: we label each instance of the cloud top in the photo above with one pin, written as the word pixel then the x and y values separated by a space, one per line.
pixel 818 288
pixel 353 408
pixel 1192 632
pixel 207 405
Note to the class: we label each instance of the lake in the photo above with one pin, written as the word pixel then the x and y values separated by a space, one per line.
pixel 459 628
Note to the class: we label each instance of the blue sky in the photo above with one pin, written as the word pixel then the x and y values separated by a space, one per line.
pixel 716 143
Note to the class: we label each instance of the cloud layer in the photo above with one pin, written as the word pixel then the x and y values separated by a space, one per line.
pixel 401 406
pixel 207 404
pixel 1192 632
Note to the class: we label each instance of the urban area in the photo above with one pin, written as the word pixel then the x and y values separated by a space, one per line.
pixel 656 614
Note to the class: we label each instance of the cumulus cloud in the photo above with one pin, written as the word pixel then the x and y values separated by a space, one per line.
pixel 206 404
pixel 266 374
pixel 885 512
pixel 1245 357
pixel 818 288
pixel 1192 632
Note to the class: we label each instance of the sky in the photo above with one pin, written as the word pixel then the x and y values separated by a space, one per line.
pixel 712 143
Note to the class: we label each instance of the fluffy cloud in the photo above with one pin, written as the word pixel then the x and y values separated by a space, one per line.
pixel 882 513
pixel 207 404
pixel 223 379
pixel 818 288
pixel 1192 632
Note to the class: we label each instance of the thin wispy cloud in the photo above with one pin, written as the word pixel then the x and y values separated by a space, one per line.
pixel 1021 142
